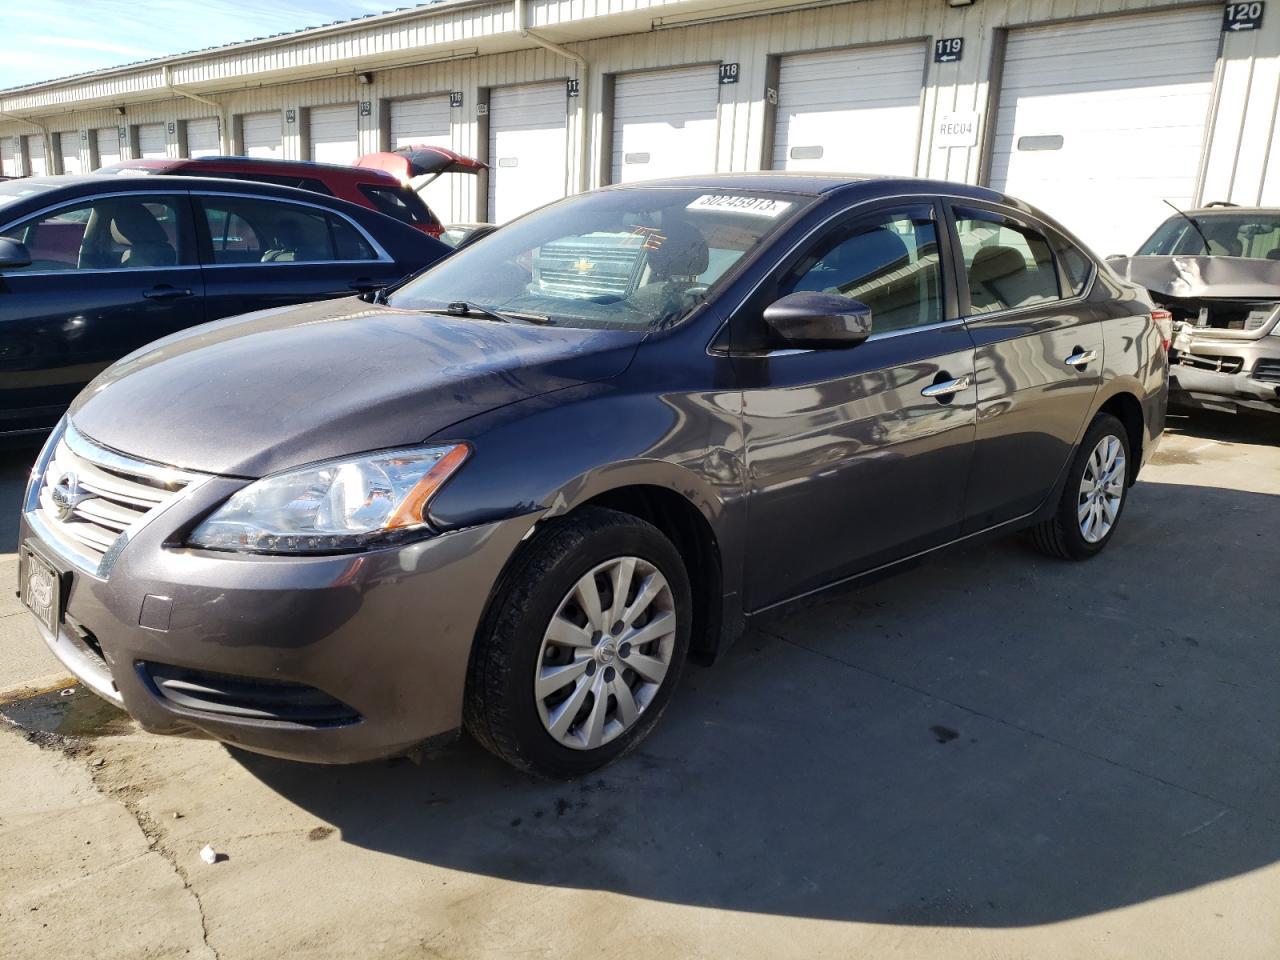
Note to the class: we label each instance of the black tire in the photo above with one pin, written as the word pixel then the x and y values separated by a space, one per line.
pixel 500 709
pixel 1060 536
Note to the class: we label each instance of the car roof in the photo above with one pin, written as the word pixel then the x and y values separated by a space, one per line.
pixel 820 183
pixel 89 184
pixel 1231 210
pixel 262 165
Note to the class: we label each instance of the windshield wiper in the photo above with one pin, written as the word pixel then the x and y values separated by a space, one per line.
pixel 465 308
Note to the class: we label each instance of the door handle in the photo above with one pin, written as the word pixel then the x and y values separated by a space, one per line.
pixel 165 292
pixel 947 388
pixel 1081 358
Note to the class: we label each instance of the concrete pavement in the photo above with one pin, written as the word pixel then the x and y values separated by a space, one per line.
pixel 991 756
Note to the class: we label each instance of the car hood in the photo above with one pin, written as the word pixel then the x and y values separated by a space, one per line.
pixel 270 390
pixel 1228 277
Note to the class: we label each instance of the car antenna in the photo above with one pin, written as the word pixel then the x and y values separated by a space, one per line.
pixel 1195 226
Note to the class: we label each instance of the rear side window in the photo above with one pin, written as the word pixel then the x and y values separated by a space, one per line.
pixel 1077 265
pixel 1009 264
pixel 244 230
pixel 402 204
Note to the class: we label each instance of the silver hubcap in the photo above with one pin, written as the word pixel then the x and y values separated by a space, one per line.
pixel 1101 489
pixel 605 653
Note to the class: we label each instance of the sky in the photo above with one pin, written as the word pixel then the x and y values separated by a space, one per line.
pixel 43 39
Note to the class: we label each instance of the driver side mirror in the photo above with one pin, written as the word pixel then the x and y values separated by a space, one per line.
pixel 814 320
pixel 13 254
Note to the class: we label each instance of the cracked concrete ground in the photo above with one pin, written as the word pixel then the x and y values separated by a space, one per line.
pixel 990 756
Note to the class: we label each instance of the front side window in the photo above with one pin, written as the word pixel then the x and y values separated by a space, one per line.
pixel 1008 264
pixel 623 259
pixel 888 261
pixel 111 233
pixel 247 230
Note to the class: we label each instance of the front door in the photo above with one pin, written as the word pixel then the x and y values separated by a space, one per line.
pixel 854 457
pixel 107 275
pixel 1039 359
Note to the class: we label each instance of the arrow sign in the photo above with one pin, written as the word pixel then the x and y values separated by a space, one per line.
pixel 1242 16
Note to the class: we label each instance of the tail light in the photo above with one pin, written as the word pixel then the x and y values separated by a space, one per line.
pixel 1163 320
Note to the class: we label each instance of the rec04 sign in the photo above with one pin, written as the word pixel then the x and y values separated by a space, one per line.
pixel 1237 17
pixel 956 130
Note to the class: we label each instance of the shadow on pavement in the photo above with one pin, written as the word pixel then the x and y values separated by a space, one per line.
pixel 1250 429
pixel 993 739
pixel 16 457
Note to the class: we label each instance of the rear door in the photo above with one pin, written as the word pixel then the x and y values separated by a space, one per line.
pixel 107 275
pixel 1039 357
pixel 261 252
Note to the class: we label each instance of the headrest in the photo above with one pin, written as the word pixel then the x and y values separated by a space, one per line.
pixel 682 253
pixel 996 263
pixel 132 223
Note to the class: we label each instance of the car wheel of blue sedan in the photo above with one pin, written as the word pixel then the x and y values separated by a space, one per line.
pixel 583 645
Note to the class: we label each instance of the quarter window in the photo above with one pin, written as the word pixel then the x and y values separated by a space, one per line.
pixel 1008 264
pixel 888 261
pixel 246 230
pixel 1077 266
pixel 111 233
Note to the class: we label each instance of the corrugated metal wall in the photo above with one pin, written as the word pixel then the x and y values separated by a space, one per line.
pixel 1242 161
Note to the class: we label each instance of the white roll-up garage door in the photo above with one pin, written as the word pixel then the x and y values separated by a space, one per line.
pixel 108 141
pixel 35 151
pixel 203 138
pixel 426 120
pixel 334 134
pixel 8 156
pixel 69 147
pixel 1102 121
pixel 528 148
pixel 261 134
pixel 850 110
pixel 665 123
pixel 152 143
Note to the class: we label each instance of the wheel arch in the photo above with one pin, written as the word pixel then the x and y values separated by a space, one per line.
pixel 1124 405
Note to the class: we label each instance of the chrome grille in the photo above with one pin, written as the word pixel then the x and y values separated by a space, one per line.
pixel 88 499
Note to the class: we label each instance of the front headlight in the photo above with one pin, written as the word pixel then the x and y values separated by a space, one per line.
pixel 335 506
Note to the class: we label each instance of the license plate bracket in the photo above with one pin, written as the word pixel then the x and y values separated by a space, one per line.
pixel 41 588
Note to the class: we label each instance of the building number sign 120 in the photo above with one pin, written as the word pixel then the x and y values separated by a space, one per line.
pixel 1242 16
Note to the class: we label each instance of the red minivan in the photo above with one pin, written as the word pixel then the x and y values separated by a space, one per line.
pixel 386 182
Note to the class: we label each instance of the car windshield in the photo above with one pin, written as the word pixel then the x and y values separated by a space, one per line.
pixel 11 191
pixel 630 259
pixel 1253 235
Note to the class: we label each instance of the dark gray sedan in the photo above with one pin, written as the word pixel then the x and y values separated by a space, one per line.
pixel 518 492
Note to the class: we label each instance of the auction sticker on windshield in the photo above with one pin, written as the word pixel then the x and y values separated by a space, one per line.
pixel 751 206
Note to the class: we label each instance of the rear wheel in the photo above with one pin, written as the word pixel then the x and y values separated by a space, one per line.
pixel 1093 497
pixel 583 646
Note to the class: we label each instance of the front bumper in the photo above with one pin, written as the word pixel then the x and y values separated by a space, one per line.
pixel 386 633
pixel 1214 390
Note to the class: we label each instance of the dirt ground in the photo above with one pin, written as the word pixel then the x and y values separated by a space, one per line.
pixel 994 755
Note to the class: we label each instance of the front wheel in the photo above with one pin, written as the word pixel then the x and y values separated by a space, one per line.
pixel 1094 496
pixel 583 646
